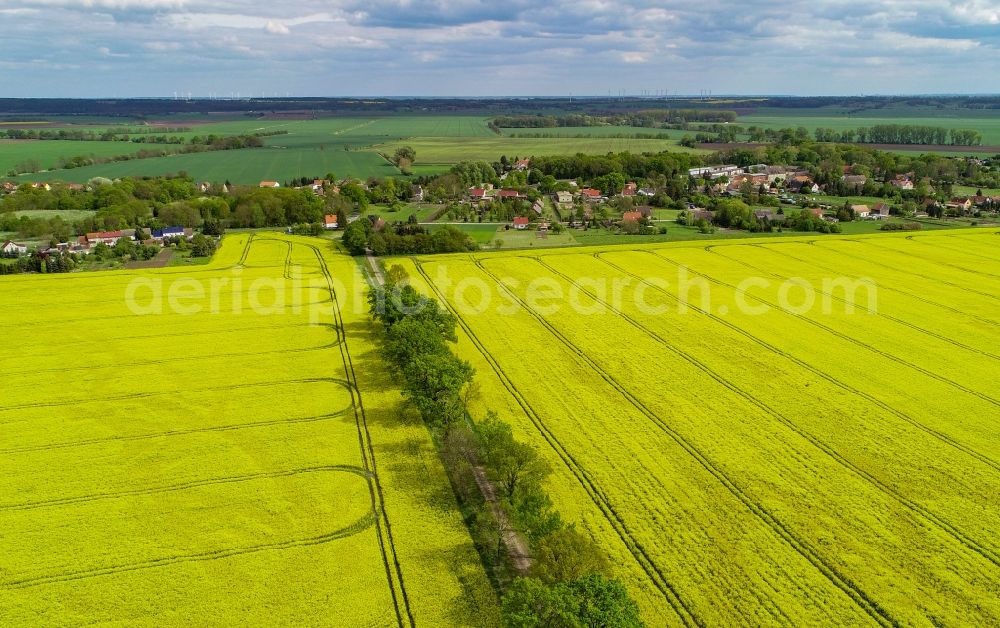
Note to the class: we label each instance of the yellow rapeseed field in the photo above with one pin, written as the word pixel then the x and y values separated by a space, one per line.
pixel 218 445
pixel 776 431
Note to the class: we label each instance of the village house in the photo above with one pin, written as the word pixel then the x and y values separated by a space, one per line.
pixel 521 222
pixel 764 214
pixel 645 211
pixel 880 211
pixel 41 186
pixel 646 192
pixel 269 184
pixel 591 194
pixel 630 189
pixel 861 211
pixel 522 164
pixel 564 198
pixel 801 184
pixel 631 217
pixel 538 207
pixel 13 249
pixel 962 204
pixel 509 193
pixel 902 182
pixel 9 187
pixel 417 193
pixel 477 194
pixel 712 172
pixel 169 232
pixel 854 180
pixel 109 238
pixel 702 214
pixel 330 221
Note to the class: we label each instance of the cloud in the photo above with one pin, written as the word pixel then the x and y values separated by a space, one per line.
pixel 276 28
pixel 517 47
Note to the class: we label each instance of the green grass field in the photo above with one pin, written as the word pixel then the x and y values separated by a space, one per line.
pixel 65 214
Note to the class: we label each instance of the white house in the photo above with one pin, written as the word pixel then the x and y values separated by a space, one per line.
pixel 12 248
pixel 330 221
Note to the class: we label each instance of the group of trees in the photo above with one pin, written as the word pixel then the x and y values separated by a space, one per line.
pixel 569 583
pixel 649 118
pixel 404 238
pixel 902 134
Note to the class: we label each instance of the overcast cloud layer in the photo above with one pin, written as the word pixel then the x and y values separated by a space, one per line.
pixel 90 48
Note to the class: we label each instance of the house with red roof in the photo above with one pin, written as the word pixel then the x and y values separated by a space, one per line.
pixel 631 216
pixel 508 193
pixel 104 237
pixel 330 221
pixel 591 194
pixel 522 164
pixel 630 189
pixel 269 184
pixel 521 222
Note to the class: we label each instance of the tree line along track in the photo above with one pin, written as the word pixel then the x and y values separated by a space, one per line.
pixel 714 249
pixel 819 373
pixel 985 321
pixel 597 496
pixel 914 507
pixel 852 590
pixel 386 541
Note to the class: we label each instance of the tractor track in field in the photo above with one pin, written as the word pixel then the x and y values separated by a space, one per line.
pixel 182 486
pixel 957 267
pixel 956 249
pixel 714 250
pixel 139 395
pixel 358 526
pixel 597 496
pixel 870 606
pixel 166 434
pixel 385 537
pixel 946 527
pixel 186 358
pixel 988 295
pixel 836 382
pixel 910 295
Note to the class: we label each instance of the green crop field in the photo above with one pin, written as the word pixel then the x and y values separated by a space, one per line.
pixel 742 457
pixel 233 454
pixel 48 153
pixel 438 150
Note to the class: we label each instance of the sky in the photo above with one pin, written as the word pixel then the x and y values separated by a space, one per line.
pixel 139 48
